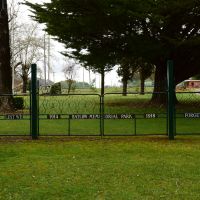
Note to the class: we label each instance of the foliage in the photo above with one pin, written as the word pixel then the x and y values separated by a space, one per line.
pixel 77 84
pixel 196 77
pixel 55 89
pixel 18 103
pixel 82 85
pixel 99 58
pixel 127 69
pixel 154 30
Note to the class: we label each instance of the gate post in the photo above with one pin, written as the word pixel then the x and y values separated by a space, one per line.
pixel 171 99
pixel 34 103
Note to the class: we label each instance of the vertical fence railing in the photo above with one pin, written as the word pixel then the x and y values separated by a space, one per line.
pixel 171 100
pixel 172 115
pixel 34 103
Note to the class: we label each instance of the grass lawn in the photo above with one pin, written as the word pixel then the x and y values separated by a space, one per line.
pixel 111 168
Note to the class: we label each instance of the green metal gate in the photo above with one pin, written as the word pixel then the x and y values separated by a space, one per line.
pixel 112 114
pixel 134 114
pixel 70 115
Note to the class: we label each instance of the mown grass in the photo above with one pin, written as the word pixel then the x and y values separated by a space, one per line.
pixel 122 169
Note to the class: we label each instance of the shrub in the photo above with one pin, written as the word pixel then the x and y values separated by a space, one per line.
pixel 55 89
pixel 18 103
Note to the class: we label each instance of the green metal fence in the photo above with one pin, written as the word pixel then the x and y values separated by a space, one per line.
pixel 134 114
pixel 85 115
pixel 112 114
pixel 15 120
pixel 188 113
pixel 68 115
pixel 92 114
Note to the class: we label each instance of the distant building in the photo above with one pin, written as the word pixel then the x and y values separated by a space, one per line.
pixel 192 84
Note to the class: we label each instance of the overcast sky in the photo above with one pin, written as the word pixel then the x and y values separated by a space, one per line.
pixel 57 61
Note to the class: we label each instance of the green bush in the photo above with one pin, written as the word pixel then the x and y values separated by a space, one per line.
pixel 18 103
pixel 55 89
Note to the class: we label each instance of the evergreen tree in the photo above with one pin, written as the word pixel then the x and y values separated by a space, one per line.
pixel 126 71
pixel 154 30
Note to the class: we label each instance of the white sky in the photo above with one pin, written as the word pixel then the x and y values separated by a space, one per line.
pixel 57 60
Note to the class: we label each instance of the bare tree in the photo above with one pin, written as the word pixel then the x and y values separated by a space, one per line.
pixel 26 45
pixel 28 50
pixel 70 72
pixel 13 11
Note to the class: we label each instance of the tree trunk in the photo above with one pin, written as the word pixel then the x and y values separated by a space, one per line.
pixel 25 83
pixel 102 82
pixel 160 85
pixel 125 83
pixel 5 68
pixel 69 86
pixel 142 80
pixel 24 78
pixel 125 78
pixel 89 76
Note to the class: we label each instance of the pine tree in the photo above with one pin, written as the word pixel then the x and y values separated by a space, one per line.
pixel 154 30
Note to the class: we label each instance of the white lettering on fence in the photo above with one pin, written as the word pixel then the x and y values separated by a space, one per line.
pixel 14 116
pixel 192 115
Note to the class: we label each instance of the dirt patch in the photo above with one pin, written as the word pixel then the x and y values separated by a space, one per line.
pixel 107 139
pixel 14 139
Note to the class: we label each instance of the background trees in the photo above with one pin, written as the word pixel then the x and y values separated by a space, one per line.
pixel 80 35
pixel 27 50
pixel 26 45
pixel 126 70
pixel 155 30
pixel 70 72
pixel 144 70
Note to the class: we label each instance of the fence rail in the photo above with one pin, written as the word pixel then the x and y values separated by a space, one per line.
pixel 15 118
pixel 112 114
pixel 188 113
pixel 94 115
